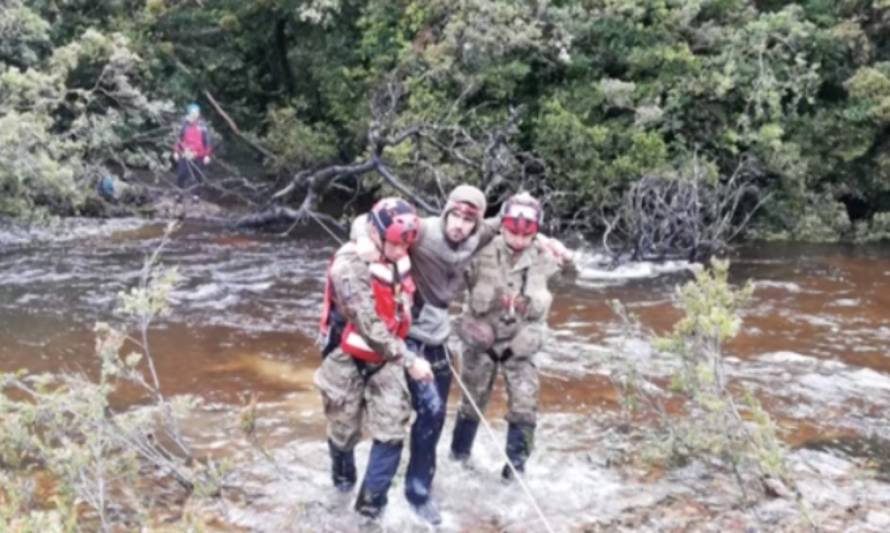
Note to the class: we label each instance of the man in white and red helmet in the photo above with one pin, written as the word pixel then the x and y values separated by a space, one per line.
pixel 366 318
pixel 503 326
pixel 444 248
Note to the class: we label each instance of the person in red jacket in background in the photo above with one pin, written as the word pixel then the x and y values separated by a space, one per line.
pixel 193 148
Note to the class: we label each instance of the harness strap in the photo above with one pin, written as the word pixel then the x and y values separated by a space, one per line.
pixel 524 282
pixel 417 305
pixel 503 358
pixel 331 338
pixel 365 369
pixel 419 348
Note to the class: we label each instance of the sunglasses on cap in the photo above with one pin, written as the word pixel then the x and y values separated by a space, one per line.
pixel 521 219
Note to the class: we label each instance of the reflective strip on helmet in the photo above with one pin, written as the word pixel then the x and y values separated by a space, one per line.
pixel 522 211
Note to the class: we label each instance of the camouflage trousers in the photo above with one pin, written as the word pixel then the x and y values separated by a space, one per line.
pixel 478 372
pixel 380 399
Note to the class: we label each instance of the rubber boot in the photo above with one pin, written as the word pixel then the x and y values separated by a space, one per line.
pixel 520 441
pixel 382 466
pixel 463 436
pixel 342 467
pixel 428 512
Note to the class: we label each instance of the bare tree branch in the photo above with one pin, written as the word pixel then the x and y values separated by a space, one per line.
pixel 434 148
pixel 396 184
pixel 234 127
pixel 681 217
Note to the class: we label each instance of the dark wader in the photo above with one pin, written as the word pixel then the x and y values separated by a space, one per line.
pixel 429 401
pixel 189 172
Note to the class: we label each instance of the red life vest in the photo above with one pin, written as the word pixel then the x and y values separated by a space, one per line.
pixel 194 137
pixel 388 282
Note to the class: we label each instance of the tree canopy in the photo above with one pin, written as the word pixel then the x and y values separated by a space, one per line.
pixel 574 100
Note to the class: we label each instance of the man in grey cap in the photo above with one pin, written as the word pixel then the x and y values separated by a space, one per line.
pixel 439 256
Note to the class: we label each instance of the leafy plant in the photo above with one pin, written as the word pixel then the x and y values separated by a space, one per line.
pixel 62 428
pixel 720 423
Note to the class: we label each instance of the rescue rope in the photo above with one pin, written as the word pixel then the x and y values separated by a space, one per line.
pixel 323 226
pixel 195 171
pixel 487 426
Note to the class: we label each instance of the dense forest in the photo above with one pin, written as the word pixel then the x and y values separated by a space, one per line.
pixel 573 100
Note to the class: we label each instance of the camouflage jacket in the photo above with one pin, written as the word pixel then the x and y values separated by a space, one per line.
pixel 353 297
pixel 509 291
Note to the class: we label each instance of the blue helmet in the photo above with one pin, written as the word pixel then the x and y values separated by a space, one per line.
pixel 192 108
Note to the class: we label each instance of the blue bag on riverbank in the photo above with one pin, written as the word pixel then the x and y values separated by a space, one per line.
pixel 106 187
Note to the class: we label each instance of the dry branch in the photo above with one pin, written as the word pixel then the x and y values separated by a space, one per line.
pixel 485 157
pixel 237 131
pixel 684 217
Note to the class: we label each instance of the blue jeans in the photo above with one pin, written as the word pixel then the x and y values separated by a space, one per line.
pixel 382 465
pixel 427 427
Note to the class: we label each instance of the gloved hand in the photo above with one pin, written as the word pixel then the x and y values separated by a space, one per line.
pixel 176 156
pixel 206 159
pixel 420 370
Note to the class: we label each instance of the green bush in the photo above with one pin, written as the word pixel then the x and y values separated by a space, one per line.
pixel 66 113
pixel 717 424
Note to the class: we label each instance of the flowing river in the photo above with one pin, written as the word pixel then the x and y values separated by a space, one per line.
pixel 813 347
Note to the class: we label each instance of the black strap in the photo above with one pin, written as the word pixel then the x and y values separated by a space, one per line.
pixel 417 305
pixel 366 369
pixel 506 355
pixel 466 274
pixel 336 325
pixel 524 282
pixel 205 136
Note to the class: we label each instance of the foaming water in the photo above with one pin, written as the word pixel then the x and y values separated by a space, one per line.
pixel 595 270
pixel 569 486
pixel 813 347
pixel 67 230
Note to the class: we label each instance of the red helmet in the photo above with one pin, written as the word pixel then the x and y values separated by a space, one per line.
pixel 395 220
pixel 522 214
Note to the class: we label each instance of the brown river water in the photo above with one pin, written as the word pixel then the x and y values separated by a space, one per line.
pixel 815 348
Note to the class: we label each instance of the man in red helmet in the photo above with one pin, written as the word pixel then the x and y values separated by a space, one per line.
pixel 442 251
pixel 444 247
pixel 363 376
pixel 503 327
